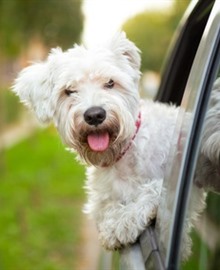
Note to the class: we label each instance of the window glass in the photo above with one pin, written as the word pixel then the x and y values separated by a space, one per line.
pixel 205 234
pixel 174 225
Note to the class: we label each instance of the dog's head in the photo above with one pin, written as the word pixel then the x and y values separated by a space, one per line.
pixel 91 95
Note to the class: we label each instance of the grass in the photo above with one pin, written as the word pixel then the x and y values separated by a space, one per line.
pixel 41 197
pixel 200 254
pixel 10 107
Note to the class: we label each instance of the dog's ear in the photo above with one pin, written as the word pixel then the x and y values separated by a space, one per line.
pixel 123 46
pixel 34 86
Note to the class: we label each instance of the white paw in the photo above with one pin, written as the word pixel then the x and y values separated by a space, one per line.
pixel 115 234
pixel 113 238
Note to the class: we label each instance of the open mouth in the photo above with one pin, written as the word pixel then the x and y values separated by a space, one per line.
pixel 98 141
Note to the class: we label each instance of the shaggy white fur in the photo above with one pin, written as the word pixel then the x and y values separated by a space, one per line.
pixel 92 97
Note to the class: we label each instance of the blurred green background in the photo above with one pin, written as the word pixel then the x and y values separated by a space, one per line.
pixel 41 185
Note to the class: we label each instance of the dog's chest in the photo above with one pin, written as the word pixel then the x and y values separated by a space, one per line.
pixel 118 183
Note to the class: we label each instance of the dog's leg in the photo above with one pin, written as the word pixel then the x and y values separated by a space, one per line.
pixel 120 223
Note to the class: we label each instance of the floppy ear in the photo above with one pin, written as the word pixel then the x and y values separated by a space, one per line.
pixel 123 46
pixel 34 87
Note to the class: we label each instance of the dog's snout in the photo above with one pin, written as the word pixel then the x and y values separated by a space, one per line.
pixel 94 116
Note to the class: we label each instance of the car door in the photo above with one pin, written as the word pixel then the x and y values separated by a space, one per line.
pixel 185 161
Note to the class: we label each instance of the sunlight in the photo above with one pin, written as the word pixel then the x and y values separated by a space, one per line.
pixel 104 17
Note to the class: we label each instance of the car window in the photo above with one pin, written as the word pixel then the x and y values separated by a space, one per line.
pixel 184 168
pixel 205 234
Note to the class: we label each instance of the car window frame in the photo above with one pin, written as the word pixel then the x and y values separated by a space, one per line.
pixel 210 59
pixel 176 69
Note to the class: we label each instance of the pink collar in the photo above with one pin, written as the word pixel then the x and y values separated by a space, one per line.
pixel 137 124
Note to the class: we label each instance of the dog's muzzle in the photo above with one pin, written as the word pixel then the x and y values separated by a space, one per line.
pixel 98 140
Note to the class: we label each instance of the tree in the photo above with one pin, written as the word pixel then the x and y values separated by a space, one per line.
pixel 152 32
pixel 54 22
pixel 179 8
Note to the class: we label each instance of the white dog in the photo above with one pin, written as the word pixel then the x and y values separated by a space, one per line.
pixel 92 97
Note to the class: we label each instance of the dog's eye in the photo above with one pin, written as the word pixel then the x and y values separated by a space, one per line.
pixel 110 84
pixel 69 92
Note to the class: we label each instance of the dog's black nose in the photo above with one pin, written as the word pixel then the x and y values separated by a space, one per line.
pixel 95 116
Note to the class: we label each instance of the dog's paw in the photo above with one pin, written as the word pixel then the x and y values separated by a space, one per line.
pixel 121 224
pixel 117 238
pixel 123 231
pixel 109 241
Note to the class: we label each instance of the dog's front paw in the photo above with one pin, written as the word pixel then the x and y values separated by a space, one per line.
pixel 116 238
pixel 121 224
pixel 123 231
pixel 109 241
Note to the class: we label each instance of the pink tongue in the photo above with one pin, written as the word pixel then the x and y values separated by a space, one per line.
pixel 98 142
